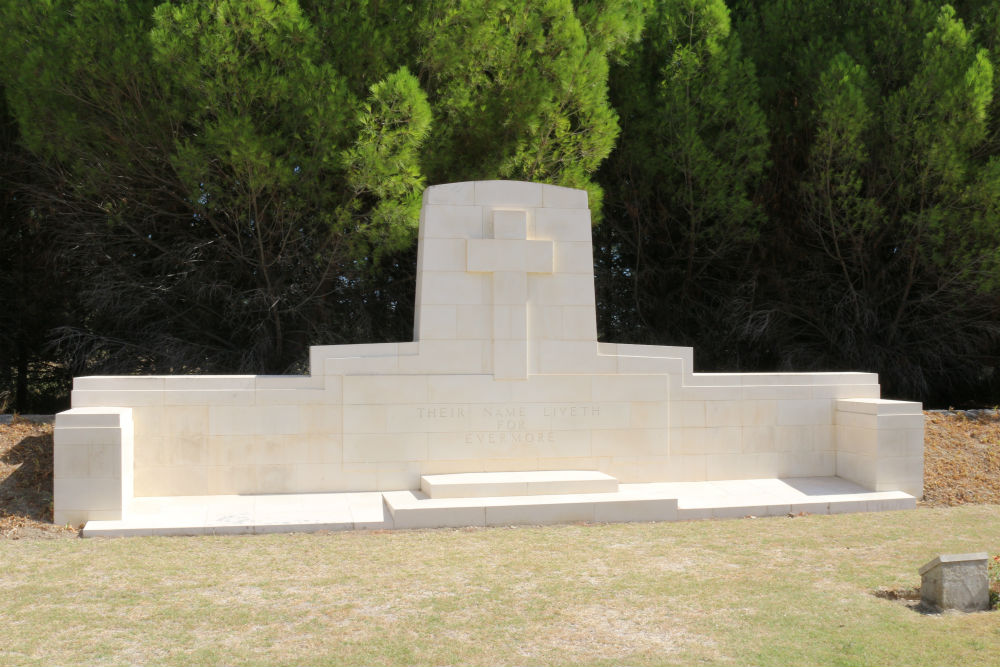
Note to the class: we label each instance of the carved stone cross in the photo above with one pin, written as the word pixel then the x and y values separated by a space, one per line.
pixel 510 257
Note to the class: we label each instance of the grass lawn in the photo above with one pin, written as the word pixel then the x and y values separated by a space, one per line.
pixel 751 591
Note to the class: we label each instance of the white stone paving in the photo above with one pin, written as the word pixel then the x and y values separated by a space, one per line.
pixel 208 515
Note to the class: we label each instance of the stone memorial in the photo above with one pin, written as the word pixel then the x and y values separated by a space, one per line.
pixel 955 581
pixel 504 408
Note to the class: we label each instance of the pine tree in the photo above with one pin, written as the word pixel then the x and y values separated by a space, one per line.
pixel 236 180
pixel 694 144
pixel 887 235
pixel 227 191
pixel 519 89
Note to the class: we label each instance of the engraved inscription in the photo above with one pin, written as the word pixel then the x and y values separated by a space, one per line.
pixel 503 437
pixel 503 424
pixel 442 412
pixel 572 411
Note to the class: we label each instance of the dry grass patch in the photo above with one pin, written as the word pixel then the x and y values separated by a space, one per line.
pixel 765 591
pixel 26 481
pixel 962 458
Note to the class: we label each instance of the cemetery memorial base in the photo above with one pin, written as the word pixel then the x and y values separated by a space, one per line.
pixel 504 375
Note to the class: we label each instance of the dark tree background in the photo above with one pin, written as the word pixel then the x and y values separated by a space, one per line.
pixel 193 187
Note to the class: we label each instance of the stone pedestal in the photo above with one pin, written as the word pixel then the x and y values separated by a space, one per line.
pixel 956 581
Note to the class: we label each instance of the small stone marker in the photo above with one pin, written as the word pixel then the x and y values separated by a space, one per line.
pixel 956 581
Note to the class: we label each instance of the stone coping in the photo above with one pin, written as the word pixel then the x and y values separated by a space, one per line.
pixel 952 558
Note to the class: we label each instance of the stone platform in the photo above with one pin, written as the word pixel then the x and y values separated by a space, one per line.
pixel 665 501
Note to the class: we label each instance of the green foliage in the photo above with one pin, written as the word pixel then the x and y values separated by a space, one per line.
pixel 936 122
pixel 807 185
pixel 33 287
pixel 383 163
pixel 993 570
pixel 895 195
pixel 225 179
pixel 693 149
pixel 521 89
pixel 865 238
pixel 240 179
pixel 834 186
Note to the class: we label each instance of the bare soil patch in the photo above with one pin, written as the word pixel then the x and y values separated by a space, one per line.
pixel 26 482
pixel 962 457
pixel 961 466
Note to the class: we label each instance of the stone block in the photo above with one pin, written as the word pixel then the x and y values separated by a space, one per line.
pixel 720 393
pixel 648 415
pixel 445 254
pixel 376 390
pixel 562 289
pixel 438 517
pixel 374 448
pixel 569 357
pixel 758 412
pixel 546 321
pixel 630 442
pixel 564 225
pixel 647 365
pixel 367 418
pixel 723 413
pixel 637 509
pixel 510 288
pixel 210 382
pixel 687 414
pixel 451 193
pixel 209 397
pixel 453 288
pixel 517 513
pixel 84 398
pixel 956 581
pixel 100 435
pixel 452 222
pixel 447 356
pixel 509 224
pixel 473 322
pixel 397 476
pixel 575 257
pixel 510 359
pixel 508 193
pixel 534 483
pixel 89 418
pixel 630 388
pixel 805 412
pixel 119 382
pixel 554 196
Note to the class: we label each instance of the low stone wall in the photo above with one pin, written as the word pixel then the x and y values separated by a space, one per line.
pixel 247 434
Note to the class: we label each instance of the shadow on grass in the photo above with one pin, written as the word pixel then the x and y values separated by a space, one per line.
pixel 910 598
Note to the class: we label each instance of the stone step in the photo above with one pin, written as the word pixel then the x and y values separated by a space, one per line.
pixel 664 501
pixel 413 509
pixel 506 484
